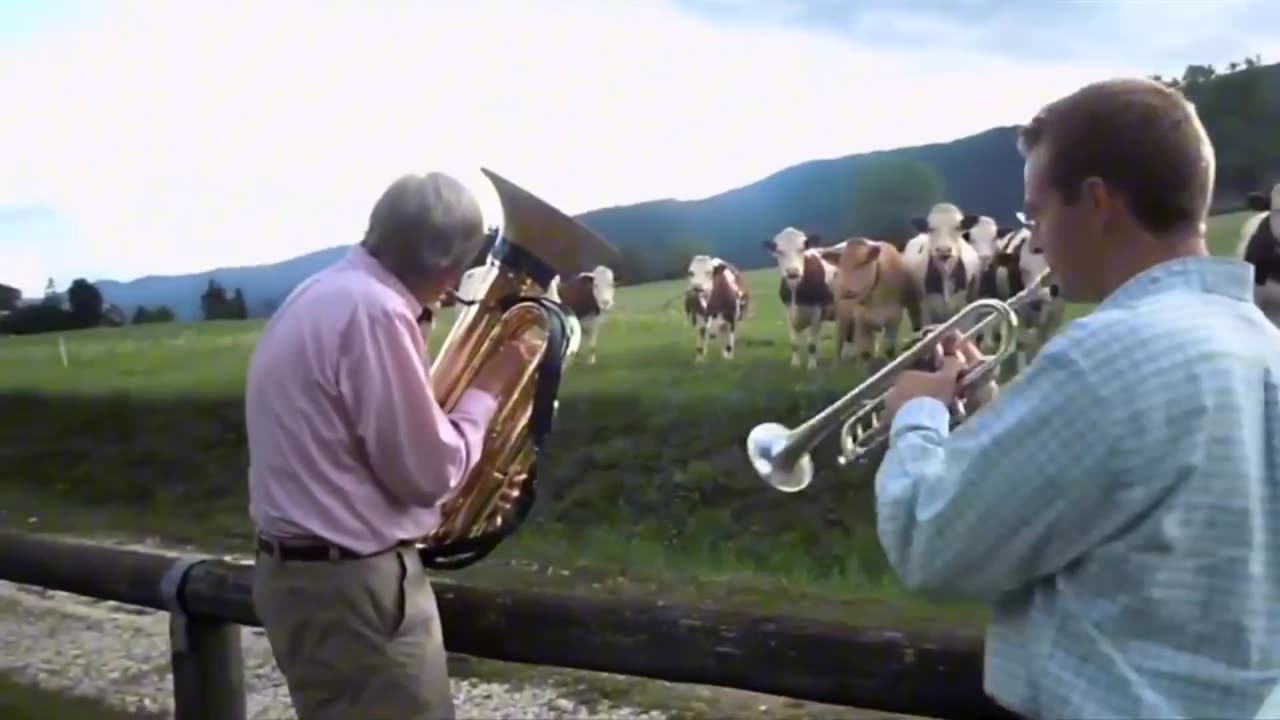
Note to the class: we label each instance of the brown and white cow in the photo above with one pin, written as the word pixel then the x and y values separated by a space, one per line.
pixel 805 288
pixel 1260 246
pixel 589 296
pixel 942 263
pixel 715 302
pixel 873 290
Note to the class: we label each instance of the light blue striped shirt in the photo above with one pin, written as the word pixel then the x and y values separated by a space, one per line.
pixel 1118 505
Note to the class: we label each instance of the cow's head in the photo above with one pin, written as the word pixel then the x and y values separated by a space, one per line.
pixel 944 225
pixel 1261 203
pixel 856 263
pixel 602 284
pixel 788 247
pixel 1032 262
pixel 982 236
pixel 701 273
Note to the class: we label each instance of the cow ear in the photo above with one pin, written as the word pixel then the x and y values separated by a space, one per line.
pixel 1022 217
pixel 969 221
pixel 920 224
pixel 832 255
pixel 769 246
pixel 1259 202
pixel 873 251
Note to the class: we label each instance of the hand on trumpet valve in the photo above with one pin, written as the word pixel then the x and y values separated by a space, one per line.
pixel 942 382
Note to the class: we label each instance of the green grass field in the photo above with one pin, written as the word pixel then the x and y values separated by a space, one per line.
pixel 647 490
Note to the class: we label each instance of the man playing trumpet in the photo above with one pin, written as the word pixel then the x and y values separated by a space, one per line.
pixel 1119 503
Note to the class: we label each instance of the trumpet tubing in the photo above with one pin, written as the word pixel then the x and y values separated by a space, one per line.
pixel 781 455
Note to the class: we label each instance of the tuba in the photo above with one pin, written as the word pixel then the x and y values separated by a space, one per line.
pixel 508 300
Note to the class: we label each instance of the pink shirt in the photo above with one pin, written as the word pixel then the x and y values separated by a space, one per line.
pixel 347 442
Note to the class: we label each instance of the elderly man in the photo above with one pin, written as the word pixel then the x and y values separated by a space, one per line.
pixel 1118 504
pixel 349 454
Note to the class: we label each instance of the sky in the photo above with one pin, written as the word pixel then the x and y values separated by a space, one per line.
pixel 143 137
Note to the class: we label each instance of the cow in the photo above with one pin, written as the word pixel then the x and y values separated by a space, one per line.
pixel 805 288
pixel 983 236
pixel 1260 246
pixel 1001 276
pixel 716 301
pixel 589 296
pixel 942 263
pixel 1018 261
pixel 873 289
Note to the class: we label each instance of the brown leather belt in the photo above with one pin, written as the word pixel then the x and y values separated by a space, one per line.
pixel 314 551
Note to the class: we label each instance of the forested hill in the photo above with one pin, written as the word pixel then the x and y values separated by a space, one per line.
pixel 875 193
pixel 981 173
pixel 871 194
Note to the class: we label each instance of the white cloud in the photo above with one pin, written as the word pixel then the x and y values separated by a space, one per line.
pixel 181 136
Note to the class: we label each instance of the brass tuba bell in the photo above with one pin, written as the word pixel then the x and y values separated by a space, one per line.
pixel 508 300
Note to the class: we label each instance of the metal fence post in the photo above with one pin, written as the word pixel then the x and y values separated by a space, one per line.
pixel 207 660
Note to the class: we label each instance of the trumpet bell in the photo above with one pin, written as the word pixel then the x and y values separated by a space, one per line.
pixel 764 445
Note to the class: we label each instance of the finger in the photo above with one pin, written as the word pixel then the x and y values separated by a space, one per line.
pixel 948 343
pixel 968 351
pixel 951 366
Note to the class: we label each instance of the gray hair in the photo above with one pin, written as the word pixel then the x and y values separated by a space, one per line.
pixel 423 225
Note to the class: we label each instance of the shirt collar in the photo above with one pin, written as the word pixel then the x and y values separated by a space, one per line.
pixel 1216 275
pixel 360 258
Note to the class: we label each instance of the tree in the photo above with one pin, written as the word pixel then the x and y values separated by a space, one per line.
pixel 237 310
pixel 144 315
pixel 213 301
pixel 35 319
pixel 86 303
pixel 10 297
pixel 889 192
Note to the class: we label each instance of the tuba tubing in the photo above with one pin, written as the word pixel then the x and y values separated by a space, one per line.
pixel 781 455
pixel 538 242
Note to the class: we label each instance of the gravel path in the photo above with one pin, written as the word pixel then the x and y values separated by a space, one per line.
pixel 120 654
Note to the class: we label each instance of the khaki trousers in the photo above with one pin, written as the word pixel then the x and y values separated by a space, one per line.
pixel 356 639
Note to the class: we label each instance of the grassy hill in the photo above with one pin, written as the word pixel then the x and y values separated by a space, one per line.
pixel 982 173
pixel 143 432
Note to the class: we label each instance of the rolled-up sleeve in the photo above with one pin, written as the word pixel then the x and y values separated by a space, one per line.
pixel 416 450
pixel 1014 493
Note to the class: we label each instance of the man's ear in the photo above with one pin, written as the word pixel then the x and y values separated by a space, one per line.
pixel 1095 193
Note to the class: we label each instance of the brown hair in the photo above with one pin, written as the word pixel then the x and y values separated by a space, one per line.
pixel 1143 139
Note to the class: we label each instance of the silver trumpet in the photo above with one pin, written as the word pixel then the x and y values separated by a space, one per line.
pixel 781 455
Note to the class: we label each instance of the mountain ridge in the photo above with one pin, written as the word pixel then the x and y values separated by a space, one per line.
pixel 979 172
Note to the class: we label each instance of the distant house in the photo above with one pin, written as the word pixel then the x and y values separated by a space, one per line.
pixel 57 299
pixel 113 316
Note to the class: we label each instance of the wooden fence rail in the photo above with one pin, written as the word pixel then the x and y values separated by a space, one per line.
pixel 208 597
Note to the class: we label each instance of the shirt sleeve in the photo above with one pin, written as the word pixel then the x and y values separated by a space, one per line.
pixel 1014 493
pixel 416 451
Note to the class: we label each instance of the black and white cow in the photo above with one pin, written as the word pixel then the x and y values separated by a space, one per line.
pixel 1260 246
